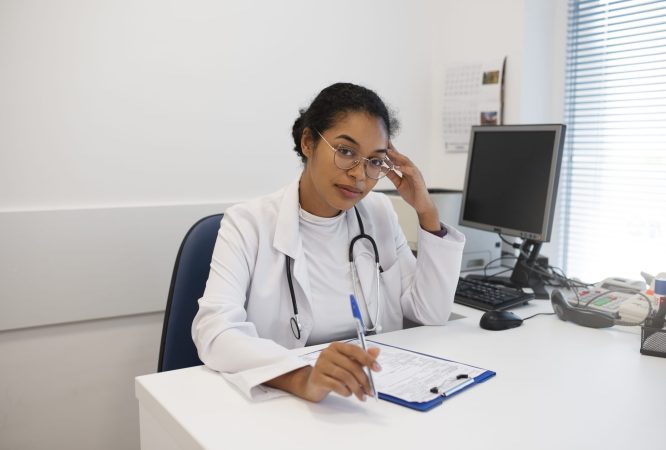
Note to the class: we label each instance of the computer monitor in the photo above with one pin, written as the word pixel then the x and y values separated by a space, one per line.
pixel 511 187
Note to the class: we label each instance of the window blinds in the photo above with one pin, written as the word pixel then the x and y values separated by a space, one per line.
pixel 613 179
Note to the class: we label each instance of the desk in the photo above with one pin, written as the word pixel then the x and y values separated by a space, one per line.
pixel 558 385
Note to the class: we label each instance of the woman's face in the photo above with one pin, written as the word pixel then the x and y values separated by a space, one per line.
pixel 325 190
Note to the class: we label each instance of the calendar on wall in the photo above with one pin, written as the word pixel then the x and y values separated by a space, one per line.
pixel 473 95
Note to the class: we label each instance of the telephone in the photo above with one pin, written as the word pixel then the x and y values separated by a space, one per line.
pixel 622 285
pixel 604 308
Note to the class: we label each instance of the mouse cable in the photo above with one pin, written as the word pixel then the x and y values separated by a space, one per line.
pixel 538 314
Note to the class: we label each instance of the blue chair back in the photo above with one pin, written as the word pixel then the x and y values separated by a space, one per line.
pixel 188 282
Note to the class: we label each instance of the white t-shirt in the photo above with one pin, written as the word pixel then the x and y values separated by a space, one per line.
pixel 326 247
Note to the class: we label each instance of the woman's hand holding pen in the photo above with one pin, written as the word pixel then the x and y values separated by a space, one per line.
pixel 338 369
pixel 412 188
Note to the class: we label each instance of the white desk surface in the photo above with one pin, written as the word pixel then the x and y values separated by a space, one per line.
pixel 558 385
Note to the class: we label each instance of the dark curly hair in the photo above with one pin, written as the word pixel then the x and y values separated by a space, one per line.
pixel 331 102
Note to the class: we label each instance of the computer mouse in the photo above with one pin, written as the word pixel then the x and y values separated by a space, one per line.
pixel 500 320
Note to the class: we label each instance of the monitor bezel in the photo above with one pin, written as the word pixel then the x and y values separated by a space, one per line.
pixel 553 180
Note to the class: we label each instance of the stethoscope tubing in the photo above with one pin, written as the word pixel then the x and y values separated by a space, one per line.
pixel 296 324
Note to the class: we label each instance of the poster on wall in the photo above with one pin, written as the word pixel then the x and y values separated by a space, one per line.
pixel 473 95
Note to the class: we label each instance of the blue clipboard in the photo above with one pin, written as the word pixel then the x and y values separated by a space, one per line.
pixel 428 405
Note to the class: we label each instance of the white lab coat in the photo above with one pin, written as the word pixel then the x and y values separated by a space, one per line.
pixel 242 328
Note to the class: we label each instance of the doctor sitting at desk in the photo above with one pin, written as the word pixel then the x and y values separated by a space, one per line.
pixel 281 274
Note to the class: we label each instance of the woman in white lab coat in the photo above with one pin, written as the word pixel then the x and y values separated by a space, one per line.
pixel 280 275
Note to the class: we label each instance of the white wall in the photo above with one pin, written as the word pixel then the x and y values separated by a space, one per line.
pixel 140 103
pixel 116 104
pixel 532 36
pixel 474 30
pixel 143 102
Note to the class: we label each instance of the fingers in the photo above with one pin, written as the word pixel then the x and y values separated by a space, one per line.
pixel 407 173
pixel 401 163
pixel 374 352
pixel 401 166
pixel 396 157
pixel 346 364
pixel 344 379
pixel 330 384
pixel 395 179
pixel 408 181
pixel 365 358
pixel 340 368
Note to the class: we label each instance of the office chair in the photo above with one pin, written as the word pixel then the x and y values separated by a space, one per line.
pixel 188 282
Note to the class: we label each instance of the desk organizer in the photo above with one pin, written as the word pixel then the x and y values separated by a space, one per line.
pixel 653 341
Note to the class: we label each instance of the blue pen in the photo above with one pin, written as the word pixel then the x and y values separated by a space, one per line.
pixel 360 330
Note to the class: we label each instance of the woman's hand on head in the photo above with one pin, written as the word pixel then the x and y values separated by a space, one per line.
pixel 412 188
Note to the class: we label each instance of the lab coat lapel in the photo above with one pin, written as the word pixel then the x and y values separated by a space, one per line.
pixel 287 240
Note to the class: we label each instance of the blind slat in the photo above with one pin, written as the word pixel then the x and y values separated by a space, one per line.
pixel 637 66
pixel 610 21
pixel 610 7
pixel 619 58
pixel 647 94
pixel 586 51
pixel 619 32
pixel 654 32
pixel 613 83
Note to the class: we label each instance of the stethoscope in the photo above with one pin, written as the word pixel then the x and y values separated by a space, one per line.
pixel 296 326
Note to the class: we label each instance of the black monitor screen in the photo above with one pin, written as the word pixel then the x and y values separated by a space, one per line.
pixel 511 179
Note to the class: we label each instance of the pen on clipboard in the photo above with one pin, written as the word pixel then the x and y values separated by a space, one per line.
pixel 452 390
pixel 360 328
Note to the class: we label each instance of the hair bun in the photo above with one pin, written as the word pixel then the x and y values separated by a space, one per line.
pixel 297 132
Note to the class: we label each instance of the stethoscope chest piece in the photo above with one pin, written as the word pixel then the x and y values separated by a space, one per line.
pixel 296 326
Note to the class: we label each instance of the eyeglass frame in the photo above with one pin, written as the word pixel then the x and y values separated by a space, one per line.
pixel 358 160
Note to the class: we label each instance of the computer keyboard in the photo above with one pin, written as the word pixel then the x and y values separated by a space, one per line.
pixel 487 296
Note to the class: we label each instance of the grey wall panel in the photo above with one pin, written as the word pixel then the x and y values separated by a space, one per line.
pixel 71 265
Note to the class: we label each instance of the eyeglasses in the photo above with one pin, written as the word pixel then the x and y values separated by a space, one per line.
pixel 346 158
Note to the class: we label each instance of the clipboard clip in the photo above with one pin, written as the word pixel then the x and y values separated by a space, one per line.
pixel 454 389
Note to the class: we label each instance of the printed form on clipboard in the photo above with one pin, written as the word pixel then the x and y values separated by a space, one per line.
pixel 417 380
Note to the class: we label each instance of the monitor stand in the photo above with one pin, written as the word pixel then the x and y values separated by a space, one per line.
pixel 524 274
